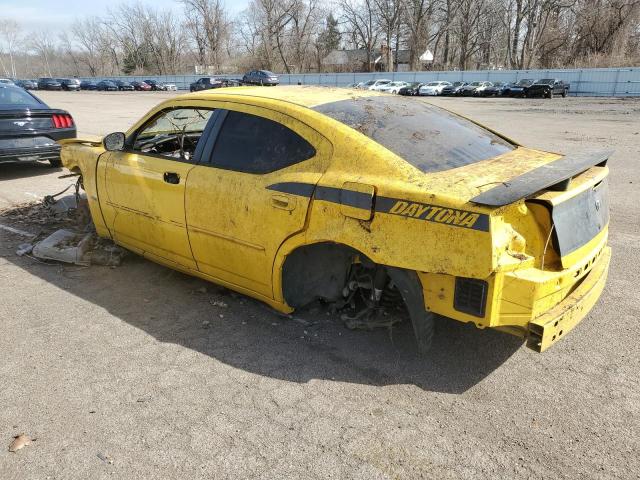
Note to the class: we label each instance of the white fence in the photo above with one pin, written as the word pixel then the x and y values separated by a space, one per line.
pixel 589 82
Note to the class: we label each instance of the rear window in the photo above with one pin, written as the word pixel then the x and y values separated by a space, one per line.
pixel 429 138
pixel 18 97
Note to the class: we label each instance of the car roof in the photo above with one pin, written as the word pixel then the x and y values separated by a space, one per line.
pixel 304 95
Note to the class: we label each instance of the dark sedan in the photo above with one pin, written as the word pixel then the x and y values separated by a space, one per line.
pixel 206 83
pixel 155 85
pixel 49 84
pixel 260 77
pixel 107 86
pixel 29 129
pixel 496 90
pixel 141 86
pixel 88 85
pixel 454 88
pixel 27 84
pixel 410 90
pixel 518 89
pixel 70 84
pixel 124 86
pixel 548 87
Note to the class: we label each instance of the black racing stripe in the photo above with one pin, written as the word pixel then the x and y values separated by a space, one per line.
pixel 430 213
pixel 342 196
pixel 294 188
pixel 392 206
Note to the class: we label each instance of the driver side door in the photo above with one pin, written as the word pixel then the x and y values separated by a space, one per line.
pixel 145 185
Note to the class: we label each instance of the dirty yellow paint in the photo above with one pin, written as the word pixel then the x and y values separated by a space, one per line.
pixel 230 228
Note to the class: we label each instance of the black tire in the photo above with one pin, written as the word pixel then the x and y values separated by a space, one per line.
pixel 550 93
pixel 564 94
pixel 423 321
pixel 55 162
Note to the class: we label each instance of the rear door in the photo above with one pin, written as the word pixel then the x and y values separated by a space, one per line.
pixel 145 184
pixel 252 193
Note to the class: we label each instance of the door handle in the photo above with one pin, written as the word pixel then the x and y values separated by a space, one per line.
pixel 171 177
pixel 283 202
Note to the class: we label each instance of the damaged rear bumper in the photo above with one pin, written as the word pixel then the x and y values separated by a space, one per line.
pixel 553 325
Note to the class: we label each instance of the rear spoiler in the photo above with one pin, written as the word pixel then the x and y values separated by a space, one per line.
pixel 541 178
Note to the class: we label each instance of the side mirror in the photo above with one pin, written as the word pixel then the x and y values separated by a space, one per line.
pixel 114 142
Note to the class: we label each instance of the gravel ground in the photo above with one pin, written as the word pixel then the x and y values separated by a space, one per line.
pixel 142 372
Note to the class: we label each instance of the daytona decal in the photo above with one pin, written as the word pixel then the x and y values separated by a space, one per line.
pixel 392 206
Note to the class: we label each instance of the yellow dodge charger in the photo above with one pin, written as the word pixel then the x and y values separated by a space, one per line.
pixel 297 194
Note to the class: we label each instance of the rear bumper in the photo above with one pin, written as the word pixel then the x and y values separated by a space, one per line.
pixel 34 154
pixel 553 325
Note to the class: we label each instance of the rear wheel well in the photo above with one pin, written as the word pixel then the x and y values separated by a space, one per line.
pixel 322 271
pixel 317 271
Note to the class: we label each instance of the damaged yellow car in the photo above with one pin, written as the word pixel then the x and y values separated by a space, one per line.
pixel 297 194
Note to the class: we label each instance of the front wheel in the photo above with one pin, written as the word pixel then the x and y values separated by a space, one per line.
pixel 564 94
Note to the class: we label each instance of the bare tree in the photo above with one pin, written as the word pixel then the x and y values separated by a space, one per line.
pixel 10 33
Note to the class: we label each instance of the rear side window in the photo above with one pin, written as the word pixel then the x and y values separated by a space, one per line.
pixel 17 97
pixel 252 144
pixel 429 138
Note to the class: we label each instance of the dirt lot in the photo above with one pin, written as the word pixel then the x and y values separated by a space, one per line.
pixel 115 373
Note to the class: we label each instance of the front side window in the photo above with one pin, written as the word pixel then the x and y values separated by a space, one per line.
pixel 252 144
pixel 173 133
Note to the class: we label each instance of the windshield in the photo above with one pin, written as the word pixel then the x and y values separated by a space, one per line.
pixel 476 84
pixel 545 81
pixel 18 97
pixel 429 138
pixel 433 84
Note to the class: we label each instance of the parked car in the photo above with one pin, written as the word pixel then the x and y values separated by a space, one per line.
pixel 155 85
pixel 392 87
pixel 206 83
pixel 453 89
pixel 124 86
pixel 70 84
pixel 317 201
pixel 170 87
pixel 107 86
pixel 473 89
pixel 88 85
pixel 378 84
pixel 365 85
pixel 27 84
pixel 548 87
pixel 29 129
pixel 411 89
pixel 495 90
pixel 261 77
pixel 519 89
pixel 47 83
pixel 433 88
pixel 7 81
pixel 141 86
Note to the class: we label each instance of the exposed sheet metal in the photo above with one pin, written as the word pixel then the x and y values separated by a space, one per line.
pixel 541 178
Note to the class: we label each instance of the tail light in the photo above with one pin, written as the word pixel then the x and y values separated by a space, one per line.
pixel 62 120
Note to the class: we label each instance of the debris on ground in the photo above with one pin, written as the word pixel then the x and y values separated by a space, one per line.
pixel 20 441
pixel 66 231
pixel 105 458
pixel 24 249
pixel 218 303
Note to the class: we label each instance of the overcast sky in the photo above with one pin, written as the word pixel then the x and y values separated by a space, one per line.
pixel 57 15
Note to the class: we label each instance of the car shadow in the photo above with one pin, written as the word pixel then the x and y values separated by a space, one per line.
pixel 246 334
pixel 12 171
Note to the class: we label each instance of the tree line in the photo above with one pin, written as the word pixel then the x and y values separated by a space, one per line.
pixel 295 36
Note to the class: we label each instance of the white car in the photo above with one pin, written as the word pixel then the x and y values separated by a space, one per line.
pixel 171 87
pixel 378 84
pixel 365 85
pixel 392 87
pixel 433 88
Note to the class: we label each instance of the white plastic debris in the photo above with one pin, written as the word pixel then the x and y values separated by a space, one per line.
pixel 64 246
